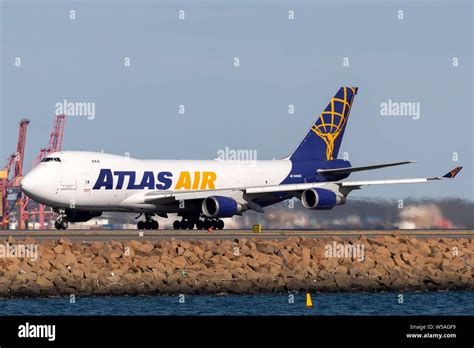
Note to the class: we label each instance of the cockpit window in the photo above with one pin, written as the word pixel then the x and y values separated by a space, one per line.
pixel 51 159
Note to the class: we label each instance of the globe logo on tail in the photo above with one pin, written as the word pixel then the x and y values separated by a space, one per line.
pixel 332 120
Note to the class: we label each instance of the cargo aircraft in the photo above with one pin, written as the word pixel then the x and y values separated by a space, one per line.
pixel 79 186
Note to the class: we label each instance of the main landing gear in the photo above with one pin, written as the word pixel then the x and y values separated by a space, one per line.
pixel 148 224
pixel 188 223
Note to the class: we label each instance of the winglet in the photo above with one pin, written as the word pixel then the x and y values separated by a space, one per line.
pixel 452 173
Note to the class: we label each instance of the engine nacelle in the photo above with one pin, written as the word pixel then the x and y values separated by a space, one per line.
pixel 221 207
pixel 317 198
pixel 81 216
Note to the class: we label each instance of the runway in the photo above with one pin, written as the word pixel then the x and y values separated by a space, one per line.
pixel 89 235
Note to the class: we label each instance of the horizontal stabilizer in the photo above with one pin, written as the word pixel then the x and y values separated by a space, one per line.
pixel 348 170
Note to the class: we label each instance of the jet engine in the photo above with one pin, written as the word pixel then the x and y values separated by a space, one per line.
pixel 318 198
pixel 221 207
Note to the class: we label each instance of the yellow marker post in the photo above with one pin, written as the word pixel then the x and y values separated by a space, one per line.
pixel 309 303
pixel 257 228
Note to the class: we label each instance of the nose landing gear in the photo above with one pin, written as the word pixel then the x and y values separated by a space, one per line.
pixel 148 224
pixel 61 225
pixel 61 222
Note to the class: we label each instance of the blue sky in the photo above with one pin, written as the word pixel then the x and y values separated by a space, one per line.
pixel 282 62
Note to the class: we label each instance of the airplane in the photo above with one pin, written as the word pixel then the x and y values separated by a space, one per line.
pixel 79 186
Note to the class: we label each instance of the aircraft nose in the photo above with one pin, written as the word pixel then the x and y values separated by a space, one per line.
pixel 26 184
pixel 38 185
pixel 32 184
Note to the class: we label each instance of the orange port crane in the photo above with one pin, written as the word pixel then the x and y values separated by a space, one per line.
pixel 55 145
pixel 11 176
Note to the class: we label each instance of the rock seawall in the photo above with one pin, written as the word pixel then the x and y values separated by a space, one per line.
pixel 240 266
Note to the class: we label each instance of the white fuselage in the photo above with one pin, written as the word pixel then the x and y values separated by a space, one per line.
pixel 98 181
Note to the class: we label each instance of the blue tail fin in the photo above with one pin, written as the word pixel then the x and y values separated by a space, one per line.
pixel 324 138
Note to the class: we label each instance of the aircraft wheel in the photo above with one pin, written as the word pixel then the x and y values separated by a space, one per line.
pixel 63 224
pixel 220 224
pixel 177 224
pixel 186 224
pixel 141 225
pixel 199 225
pixel 155 225
pixel 57 225
pixel 206 224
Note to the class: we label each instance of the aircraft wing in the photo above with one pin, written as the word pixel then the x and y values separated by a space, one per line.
pixel 181 195
pixel 350 184
pixel 247 194
pixel 157 197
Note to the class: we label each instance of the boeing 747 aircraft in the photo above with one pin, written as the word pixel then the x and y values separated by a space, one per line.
pixel 81 185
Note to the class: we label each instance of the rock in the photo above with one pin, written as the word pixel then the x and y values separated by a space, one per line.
pixel 275 260
pixel 197 251
pixel 179 262
pixel 67 259
pixel 96 247
pixel 251 245
pixel 396 248
pixel 112 258
pixel 424 249
pixel 143 249
pixel 29 240
pixel 408 240
pixel 409 258
pixel 454 265
pixel 91 275
pixel 329 264
pixel 275 271
pixel 58 249
pixel 268 247
pixel 291 261
pixel 211 266
pixel 399 262
pixel 13 267
pixel 399 283
pixel 306 256
pixel 341 270
pixel 219 250
pixel 325 285
pixel 354 272
pixel 65 242
pixel 140 264
pixel 48 255
pixel 343 282
pixel 245 250
pixel 27 276
pixel 376 272
pixel 43 282
pixel 99 261
pixel 362 240
pixel 152 262
pixel 383 251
